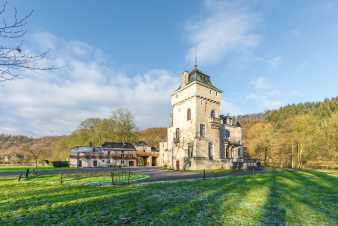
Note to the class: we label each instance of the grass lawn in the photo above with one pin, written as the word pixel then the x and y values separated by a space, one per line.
pixel 273 198
pixel 97 179
pixel 10 169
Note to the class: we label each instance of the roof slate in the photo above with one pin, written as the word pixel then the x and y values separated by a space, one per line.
pixel 118 145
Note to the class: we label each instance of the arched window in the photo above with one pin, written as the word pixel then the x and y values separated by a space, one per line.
pixel 210 150
pixel 212 114
pixel 189 114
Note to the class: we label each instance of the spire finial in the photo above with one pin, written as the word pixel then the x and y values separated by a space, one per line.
pixel 195 58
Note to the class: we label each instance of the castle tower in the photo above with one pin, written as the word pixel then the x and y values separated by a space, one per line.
pixel 194 134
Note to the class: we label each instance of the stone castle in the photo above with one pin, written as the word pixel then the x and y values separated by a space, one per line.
pixel 198 136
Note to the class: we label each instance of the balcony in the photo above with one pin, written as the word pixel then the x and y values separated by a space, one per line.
pixel 215 122
pixel 176 140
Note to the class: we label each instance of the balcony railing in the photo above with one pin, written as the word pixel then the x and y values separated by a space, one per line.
pixel 232 141
pixel 176 140
pixel 104 156
pixel 215 122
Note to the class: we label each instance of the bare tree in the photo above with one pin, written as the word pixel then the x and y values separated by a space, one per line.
pixel 35 152
pixel 14 60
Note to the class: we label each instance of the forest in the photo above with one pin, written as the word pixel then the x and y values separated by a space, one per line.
pixel 297 136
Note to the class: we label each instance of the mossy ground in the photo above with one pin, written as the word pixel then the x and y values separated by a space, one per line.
pixel 274 198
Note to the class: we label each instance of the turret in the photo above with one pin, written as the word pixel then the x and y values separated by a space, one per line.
pixel 184 79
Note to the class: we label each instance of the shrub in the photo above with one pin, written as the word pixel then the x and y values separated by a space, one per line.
pixel 60 163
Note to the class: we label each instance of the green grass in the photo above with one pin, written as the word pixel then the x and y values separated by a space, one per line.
pixel 11 169
pixel 273 198
pixel 97 179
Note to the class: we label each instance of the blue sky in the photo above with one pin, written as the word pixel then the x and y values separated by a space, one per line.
pixel 262 54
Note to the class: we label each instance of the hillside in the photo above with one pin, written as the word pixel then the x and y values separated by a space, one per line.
pixel 269 136
pixel 57 147
pixel 14 146
pixel 298 135
pixel 321 109
pixel 152 136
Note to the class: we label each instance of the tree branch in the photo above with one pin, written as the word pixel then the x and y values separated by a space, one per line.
pixel 14 60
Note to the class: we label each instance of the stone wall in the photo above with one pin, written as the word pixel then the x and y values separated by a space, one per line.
pixel 201 99
pixel 201 164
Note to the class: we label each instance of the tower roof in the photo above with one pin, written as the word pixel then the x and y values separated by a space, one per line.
pixel 199 76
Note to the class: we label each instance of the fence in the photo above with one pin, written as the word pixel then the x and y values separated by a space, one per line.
pixel 116 176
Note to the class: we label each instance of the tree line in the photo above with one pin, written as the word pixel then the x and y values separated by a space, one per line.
pixel 120 126
pixel 297 136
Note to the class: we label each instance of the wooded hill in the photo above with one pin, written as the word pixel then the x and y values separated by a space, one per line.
pixel 118 127
pixel 296 135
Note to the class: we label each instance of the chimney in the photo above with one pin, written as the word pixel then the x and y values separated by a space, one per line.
pixel 184 79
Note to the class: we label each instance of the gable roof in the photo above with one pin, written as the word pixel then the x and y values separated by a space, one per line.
pixel 77 150
pixel 118 145
pixel 141 143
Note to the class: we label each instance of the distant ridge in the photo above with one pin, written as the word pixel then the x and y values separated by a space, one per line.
pixel 152 136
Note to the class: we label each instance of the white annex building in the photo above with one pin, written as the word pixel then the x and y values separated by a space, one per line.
pixel 198 136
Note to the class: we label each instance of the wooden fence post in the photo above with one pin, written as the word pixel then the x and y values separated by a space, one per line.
pixel 204 174
pixel 61 178
pixel 112 177
pixel 129 176
pixel 19 178
pixel 118 175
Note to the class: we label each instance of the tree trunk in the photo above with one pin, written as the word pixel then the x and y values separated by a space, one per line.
pixel 292 159
pixel 300 155
pixel 36 163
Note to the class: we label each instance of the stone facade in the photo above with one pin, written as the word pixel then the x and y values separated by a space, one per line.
pixel 198 136
pixel 114 154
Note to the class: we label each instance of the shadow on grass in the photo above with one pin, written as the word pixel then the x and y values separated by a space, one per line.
pixel 199 207
pixel 187 203
pixel 273 214
pixel 205 202
pixel 316 191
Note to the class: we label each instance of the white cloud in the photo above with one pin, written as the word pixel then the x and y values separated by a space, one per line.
pixel 54 102
pixel 265 94
pixel 225 28
pixel 230 108
pixel 260 83
pixel 276 61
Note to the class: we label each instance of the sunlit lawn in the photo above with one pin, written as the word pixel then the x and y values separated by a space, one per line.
pixel 274 198
pixel 11 169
